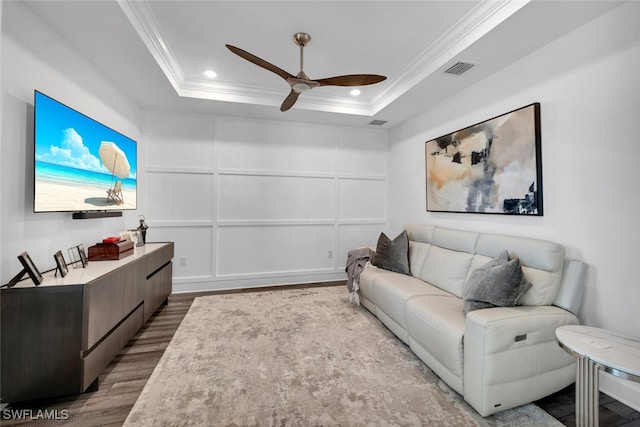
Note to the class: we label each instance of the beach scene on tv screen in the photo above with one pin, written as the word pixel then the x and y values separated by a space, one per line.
pixel 80 164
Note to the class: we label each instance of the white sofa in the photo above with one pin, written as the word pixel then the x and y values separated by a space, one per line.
pixel 496 358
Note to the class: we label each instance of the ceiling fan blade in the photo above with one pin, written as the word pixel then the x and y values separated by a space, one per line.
pixel 351 80
pixel 259 61
pixel 289 100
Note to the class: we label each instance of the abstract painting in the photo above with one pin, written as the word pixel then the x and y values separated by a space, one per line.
pixel 491 167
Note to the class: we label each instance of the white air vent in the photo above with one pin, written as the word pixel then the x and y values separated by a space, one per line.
pixel 458 68
pixel 377 122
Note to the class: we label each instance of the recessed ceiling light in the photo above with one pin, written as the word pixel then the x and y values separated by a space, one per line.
pixel 355 92
pixel 211 74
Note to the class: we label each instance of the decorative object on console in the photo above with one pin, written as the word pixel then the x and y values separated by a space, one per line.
pixel 143 229
pixel 498 283
pixel 392 255
pixel 490 167
pixel 83 255
pixel 78 256
pixel 110 251
pixel 28 267
pixel 61 265
pixel 139 234
pixel 74 257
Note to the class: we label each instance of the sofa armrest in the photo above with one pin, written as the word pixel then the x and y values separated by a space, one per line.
pixel 511 356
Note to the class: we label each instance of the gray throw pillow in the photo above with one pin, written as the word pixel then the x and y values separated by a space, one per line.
pixel 393 254
pixel 498 283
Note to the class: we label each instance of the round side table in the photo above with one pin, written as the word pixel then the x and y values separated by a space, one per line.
pixel 597 348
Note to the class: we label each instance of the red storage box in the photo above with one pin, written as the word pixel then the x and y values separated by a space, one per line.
pixel 110 251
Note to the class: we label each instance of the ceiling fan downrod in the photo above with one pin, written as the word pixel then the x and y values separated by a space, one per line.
pixel 301 39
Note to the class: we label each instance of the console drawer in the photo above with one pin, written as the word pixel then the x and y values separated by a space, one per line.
pixel 99 357
pixel 158 258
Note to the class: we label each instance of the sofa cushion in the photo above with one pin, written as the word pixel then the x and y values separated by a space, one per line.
pixel 417 255
pixel 392 291
pixel 368 277
pixel 456 240
pixel 437 323
pixel 420 232
pixel 393 255
pixel 498 283
pixel 446 269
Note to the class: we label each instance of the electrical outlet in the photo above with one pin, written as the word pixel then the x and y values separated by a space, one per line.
pixel 330 254
pixel 183 261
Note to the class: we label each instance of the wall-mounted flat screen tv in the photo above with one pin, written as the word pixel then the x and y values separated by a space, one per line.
pixel 81 165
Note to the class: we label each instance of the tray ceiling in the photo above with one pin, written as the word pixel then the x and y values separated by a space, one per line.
pixel 158 51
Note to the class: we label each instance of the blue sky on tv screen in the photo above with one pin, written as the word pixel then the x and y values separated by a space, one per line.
pixel 67 138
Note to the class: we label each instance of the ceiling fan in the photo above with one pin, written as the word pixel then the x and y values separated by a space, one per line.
pixel 301 82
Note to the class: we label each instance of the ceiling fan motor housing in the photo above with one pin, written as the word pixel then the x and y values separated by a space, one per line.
pixel 301 87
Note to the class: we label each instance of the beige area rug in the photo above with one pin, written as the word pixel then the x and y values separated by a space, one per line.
pixel 299 357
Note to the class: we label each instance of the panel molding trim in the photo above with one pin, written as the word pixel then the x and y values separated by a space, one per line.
pixel 181 223
pixel 274 274
pixel 358 177
pixel 180 170
pixel 275 173
pixel 272 222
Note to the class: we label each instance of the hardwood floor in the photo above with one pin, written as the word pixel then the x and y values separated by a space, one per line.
pixel 123 380
pixel 561 406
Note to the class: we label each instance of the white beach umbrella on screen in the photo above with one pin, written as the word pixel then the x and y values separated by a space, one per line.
pixel 114 159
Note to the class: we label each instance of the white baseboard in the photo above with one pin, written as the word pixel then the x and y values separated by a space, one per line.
pixel 624 391
pixel 223 285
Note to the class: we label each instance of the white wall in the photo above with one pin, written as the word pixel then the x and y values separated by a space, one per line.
pixel 255 203
pixel 1 115
pixel 33 57
pixel 588 85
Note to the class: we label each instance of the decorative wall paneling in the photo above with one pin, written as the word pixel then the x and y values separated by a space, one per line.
pixel 258 203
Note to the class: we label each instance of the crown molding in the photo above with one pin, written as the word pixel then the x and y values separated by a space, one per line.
pixel 251 94
pixel 146 25
pixel 487 15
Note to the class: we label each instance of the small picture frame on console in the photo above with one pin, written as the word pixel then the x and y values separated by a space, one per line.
pixel 83 255
pixel 61 265
pixel 30 268
pixel 78 256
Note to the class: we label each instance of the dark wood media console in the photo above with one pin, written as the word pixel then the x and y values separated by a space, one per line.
pixel 58 337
